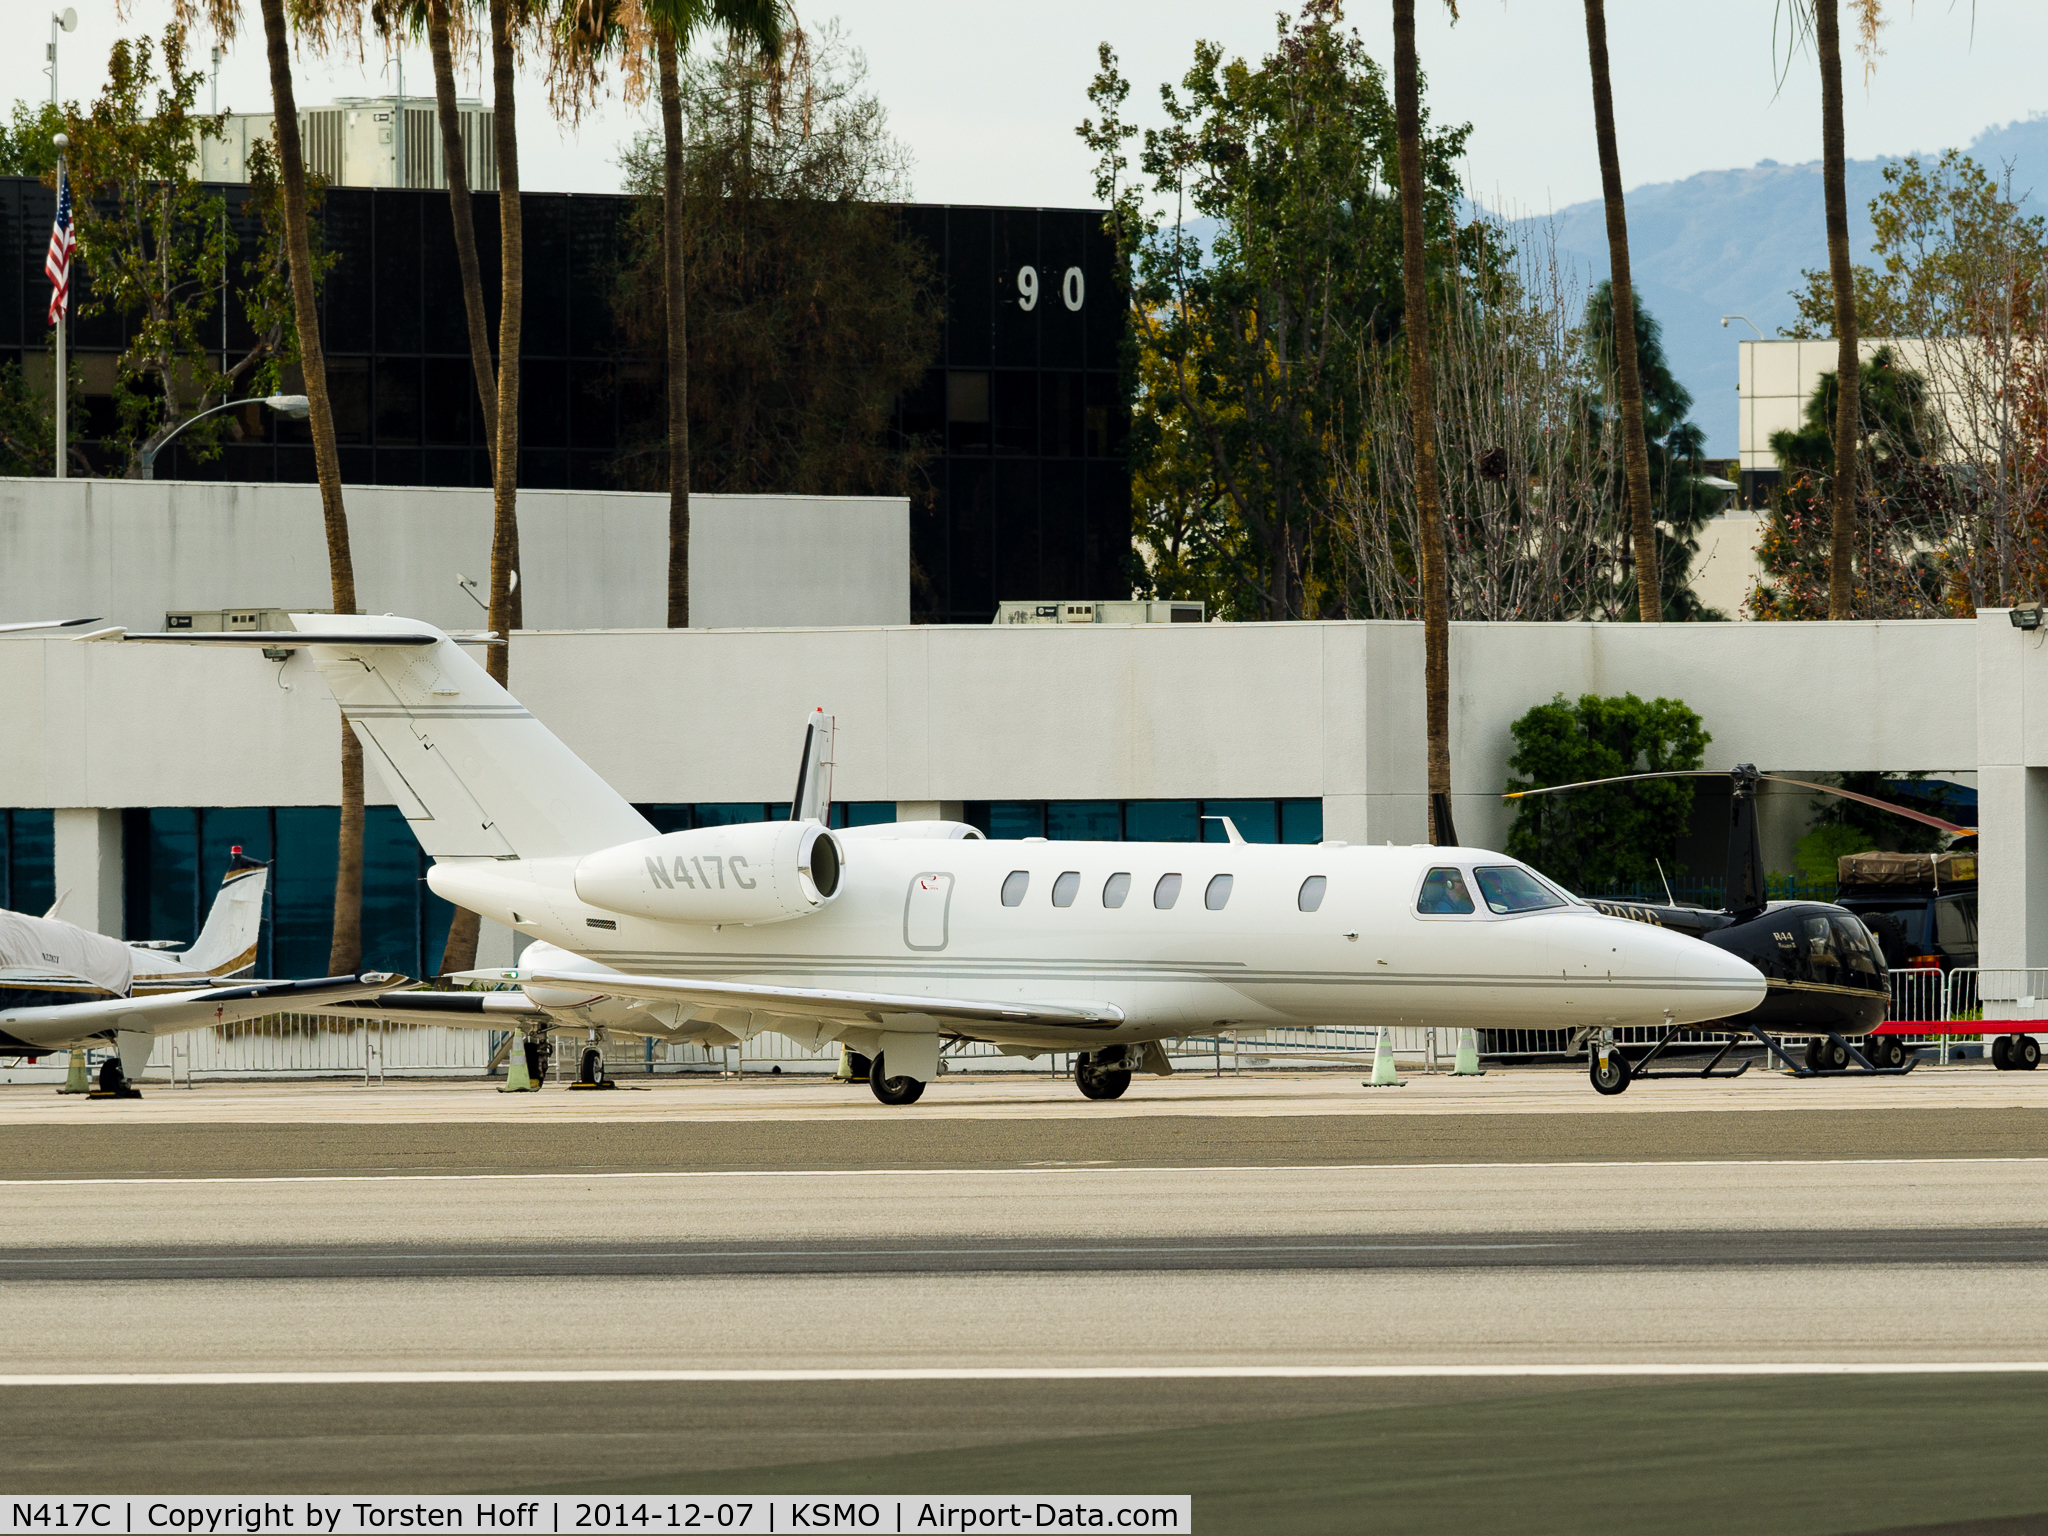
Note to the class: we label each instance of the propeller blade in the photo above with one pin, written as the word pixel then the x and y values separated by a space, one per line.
pixel 1625 778
pixel 1882 805
pixel 46 624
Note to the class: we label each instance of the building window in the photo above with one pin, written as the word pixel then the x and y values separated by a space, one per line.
pixel 1218 893
pixel 1166 892
pixel 1065 888
pixel 1014 887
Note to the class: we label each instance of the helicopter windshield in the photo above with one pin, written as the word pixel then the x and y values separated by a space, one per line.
pixel 1511 888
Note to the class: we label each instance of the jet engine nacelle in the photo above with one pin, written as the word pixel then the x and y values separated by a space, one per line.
pixel 755 872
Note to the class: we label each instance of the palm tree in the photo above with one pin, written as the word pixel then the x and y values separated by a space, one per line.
pixel 1635 449
pixel 345 952
pixel 672 24
pixel 1436 620
pixel 434 18
pixel 1842 525
pixel 511 309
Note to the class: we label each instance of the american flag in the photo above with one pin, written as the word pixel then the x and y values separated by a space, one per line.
pixel 62 243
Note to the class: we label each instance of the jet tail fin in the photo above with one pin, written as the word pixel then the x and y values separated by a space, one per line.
pixel 471 770
pixel 226 945
pixel 813 798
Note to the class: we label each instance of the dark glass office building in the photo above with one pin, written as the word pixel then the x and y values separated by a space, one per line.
pixel 1027 494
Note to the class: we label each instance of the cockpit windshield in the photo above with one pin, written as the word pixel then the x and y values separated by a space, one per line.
pixel 1511 888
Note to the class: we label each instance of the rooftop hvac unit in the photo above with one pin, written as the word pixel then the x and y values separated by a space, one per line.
pixel 1134 611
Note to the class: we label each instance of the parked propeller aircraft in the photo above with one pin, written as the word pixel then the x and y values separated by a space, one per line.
pixel 1824 968
pixel 62 986
pixel 903 941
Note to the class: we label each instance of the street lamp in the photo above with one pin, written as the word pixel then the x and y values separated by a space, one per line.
pixel 65 20
pixel 293 406
pixel 1760 336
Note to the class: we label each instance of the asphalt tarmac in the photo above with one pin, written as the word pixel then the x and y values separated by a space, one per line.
pixel 1679 1317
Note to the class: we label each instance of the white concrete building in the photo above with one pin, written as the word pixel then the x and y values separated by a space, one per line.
pixel 132 550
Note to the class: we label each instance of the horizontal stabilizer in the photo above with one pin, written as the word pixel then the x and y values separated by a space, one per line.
pixel 844 1007
pixel 275 639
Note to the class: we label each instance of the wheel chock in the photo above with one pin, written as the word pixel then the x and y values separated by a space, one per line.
pixel 1467 1064
pixel 1383 1073
pixel 517 1078
pixel 76 1078
pixel 115 1093
pixel 591 1087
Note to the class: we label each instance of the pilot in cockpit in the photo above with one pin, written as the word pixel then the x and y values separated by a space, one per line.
pixel 1444 894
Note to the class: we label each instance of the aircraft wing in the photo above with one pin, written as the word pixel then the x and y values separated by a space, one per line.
pixel 887 1010
pixel 169 1012
pixel 462 1010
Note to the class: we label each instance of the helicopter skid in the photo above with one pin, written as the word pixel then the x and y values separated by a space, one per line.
pixel 1642 1068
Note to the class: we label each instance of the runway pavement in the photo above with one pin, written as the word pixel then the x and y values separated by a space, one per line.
pixel 298 1257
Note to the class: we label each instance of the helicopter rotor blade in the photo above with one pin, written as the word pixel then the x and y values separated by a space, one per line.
pixel 1624 778
pixel 1882 805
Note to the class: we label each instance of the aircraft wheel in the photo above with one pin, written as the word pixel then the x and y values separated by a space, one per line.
pixel 2001 1053
pixel 590 1069
pixel 1612 1078
pixel 1100 1082
pixel 1827 1056
pixel 536 1063
pixel 1885 1051
pixel 893 1090
pixel 112 1078
pixel 2024 1053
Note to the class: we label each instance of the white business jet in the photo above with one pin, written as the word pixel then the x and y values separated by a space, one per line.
pixel 902 941
pixel 62 986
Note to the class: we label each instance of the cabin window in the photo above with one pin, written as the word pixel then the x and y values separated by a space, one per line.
pixel 1014 886
pixel 1310 897
pixel 1066 888
pixel 1511 888
pixel 1116 888
pixel 1166 892
pixel 1217 894
pixel 1444 894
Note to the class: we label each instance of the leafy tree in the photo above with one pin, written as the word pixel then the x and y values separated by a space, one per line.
pixel 1248 355
pixel 1945 237
pixel 1594 839
pixel 1680 500
pixel 1907 503
pixel 25 143
pixel 811 309
pixel 158 247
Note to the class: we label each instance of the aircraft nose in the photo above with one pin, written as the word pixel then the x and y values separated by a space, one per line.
pixel 1725 984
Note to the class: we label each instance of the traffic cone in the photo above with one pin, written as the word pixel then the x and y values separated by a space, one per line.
pixel 517 1078
pixel 76 1078
pixel 1468 1055
pixel 1383 1073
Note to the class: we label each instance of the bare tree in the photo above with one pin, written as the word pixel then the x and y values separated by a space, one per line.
pixel 1527 503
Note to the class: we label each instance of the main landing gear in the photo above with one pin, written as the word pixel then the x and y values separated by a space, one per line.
pixel 1097 1078
pixel 590 1070
pixel 893 1090
pixel 114 1082
pixel 2015 1053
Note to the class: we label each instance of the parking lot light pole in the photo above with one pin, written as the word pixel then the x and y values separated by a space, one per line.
pixel 292 406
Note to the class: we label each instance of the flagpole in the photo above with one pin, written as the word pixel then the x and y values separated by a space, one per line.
pixel 63 143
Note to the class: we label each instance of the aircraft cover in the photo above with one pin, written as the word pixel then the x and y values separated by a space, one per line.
pixel 38 944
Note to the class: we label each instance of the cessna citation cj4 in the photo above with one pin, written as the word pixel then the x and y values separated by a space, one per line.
pixel 62 986
pixel 902 941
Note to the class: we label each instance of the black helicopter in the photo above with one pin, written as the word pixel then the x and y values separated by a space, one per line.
pixel 1825 970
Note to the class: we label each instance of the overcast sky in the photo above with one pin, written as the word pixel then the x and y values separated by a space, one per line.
pixel 987 95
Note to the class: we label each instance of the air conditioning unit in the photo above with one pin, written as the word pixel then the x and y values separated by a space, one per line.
pixel 215 620
pixel 1135 611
